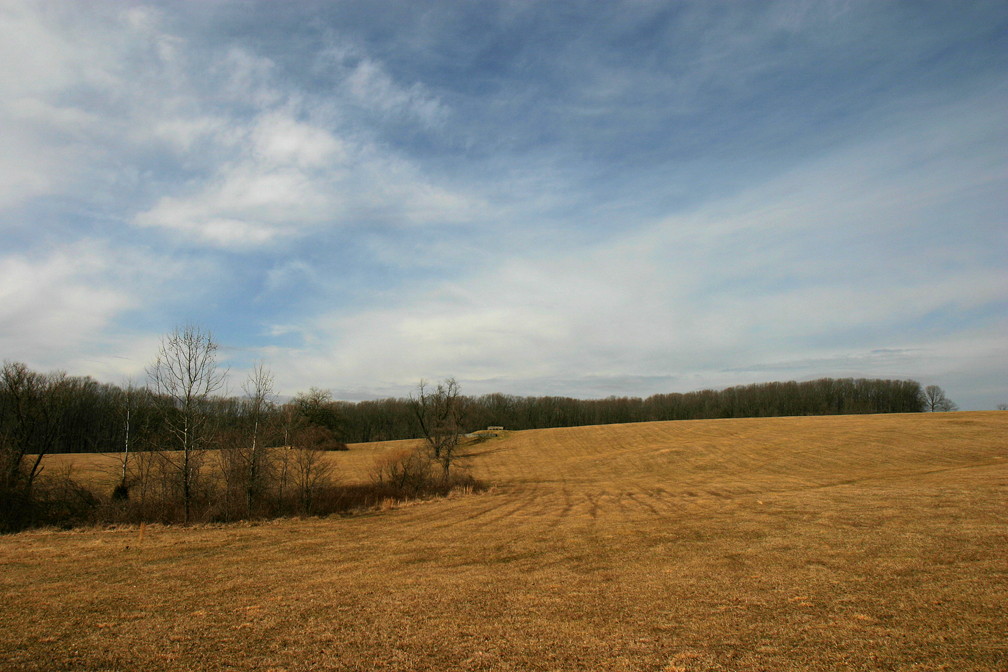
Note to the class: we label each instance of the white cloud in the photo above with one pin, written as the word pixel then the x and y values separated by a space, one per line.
pixel 263 164
pixel 84 306
pixel 35 56
pixel 249 78
pixel 181 133
pixel 280 140
pixel 290 183
pixel 68 101
pixel 289 168
pixel 372 86
pixel 367 84
pixel 285 277
pixel 293 177
pixel 59 302
pixel 244 207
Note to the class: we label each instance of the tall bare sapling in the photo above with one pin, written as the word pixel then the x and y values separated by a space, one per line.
pixel 184 377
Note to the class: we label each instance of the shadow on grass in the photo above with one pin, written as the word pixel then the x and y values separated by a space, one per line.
pixel 67 503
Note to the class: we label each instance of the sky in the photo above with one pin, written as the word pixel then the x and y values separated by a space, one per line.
pixel 537 198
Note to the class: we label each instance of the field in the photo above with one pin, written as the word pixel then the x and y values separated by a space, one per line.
pixel 825 543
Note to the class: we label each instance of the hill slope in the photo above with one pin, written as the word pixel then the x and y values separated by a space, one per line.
pixel 855 542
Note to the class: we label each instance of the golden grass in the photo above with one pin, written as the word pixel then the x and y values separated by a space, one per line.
pixel 858 542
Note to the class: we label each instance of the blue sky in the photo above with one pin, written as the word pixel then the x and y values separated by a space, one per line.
pixel 581 199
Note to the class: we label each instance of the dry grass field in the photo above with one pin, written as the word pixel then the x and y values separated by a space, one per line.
pixel 825 543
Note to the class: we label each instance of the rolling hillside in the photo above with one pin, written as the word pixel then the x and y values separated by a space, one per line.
pixel 851 542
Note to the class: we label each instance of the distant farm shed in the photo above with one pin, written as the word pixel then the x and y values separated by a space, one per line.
pixel 486 433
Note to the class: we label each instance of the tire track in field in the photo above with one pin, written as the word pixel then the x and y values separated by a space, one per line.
pixel 563 513
pixel 496 512
pixel 593 506
pixel 632 497
pixel 656 470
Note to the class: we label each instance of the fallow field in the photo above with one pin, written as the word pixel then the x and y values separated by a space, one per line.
pixel 821 543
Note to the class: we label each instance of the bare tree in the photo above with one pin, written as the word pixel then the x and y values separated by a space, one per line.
pixel 130 402
pixel 281 459
pixel 232 467
pixel 439 414
pixel 31 413
pixel 259 392
pixel 935 400
pixel 948 405
pixel 1002 407
pixel 143 473
pixel 405 470
pixel 185 375
pixel 292 422
pixel 319 410
pixel 312 473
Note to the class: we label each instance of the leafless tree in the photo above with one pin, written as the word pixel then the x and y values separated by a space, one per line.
pixel 281 458
pixel 231 467
pixel 935 400
pixel 185 375
pixel 439 413
pixel 405 470
pixel 312 472
pixel 31 412
pixel 259 393
pixel 321 416
pixel 130 402
pixel 143 474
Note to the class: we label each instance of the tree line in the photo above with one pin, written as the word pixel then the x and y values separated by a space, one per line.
pixel 388 419
pixel 187 452
pixel 84 416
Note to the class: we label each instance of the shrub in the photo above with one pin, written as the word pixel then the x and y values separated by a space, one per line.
pixel 121 492
pixel 60 500
pixel 405 470
pixel 316 437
